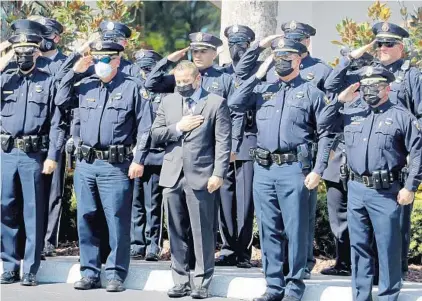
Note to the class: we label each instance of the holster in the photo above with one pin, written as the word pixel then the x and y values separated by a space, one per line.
pixel 6 142
pixel 304 156
pixel 344 171
pixel 87 153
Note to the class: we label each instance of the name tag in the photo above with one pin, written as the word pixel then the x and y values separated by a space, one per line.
pixel 90 99
pixel 7 92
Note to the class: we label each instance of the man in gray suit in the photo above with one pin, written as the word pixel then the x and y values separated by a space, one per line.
pixel 195 126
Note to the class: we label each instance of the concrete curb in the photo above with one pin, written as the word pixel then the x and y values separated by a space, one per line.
pixel 227 282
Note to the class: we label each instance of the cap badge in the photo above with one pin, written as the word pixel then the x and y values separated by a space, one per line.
pixel 385 27
pixel 199 37
pixel 99 45
pixel 293 25
pixel 110 25
pixel 280 43
pixel 369 71
pixel 22 38
pixel 235 29
pixel 141 53
pixel 43 21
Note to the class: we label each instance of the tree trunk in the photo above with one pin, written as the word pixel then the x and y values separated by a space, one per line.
pixel 259 15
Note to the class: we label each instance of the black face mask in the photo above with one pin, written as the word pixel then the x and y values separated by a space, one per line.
pixel 25 62
pixel 47 45
pixel 371 95
pixel 186 90
pixel 283 68
pixel 236 52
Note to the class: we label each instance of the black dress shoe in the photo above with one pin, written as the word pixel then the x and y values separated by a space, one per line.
pixel 49 250
pixel 151 257
pixel 225 261
pixel 87 284
pixel 269 297
pixel 179 290
pixel 10 277
pixel 244 264
pixel 28 279
pixel 335 271
pixel 135 255
pixel 115 285
pixel 199 293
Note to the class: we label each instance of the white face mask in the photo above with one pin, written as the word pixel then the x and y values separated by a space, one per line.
pixel 103 70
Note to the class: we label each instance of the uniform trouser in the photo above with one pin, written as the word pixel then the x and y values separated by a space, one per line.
pixel 337 214
pixel 103 186
pixel 22 197
pixel 405 215
pixel 376 213
pixel 236 211
pixel 282 209
pixel 146 212
pixel 313 197
pixel 54 189
pixel 191 209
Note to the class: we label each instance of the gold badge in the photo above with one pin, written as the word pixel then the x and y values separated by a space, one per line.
pixel 280 43
pixel 142 73
pixel 369 71
pixel 99 45
pixel 417 125
pixel 300 94
pixel 110 25
pixel 38 89
pixel 310 76
pixel 22 38
pixel 385 27
pixel 144 93
pixel 293 25
pixel 235 29
pixel 199 37
pixel 327 100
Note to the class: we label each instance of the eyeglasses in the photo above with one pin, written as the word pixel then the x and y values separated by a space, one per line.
pixel 378 87
pixel 386 44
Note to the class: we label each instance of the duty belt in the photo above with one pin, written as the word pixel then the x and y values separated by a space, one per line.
pixel 378 179
pixel 105 154
pixel 27 144
pixel 265 158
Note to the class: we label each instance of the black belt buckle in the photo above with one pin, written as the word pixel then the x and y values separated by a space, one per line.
pixel 276 158
pixel 365 181
pixel 385 179
pixel 99 155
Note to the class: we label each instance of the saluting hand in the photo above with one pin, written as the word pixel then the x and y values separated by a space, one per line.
pixel 266 42
pixel 4 45
pixel 349 94
pixel 189 122
pixel 49 166
pixel 214 183
pixel 83 64
pixel 405 197
pixel 263 69
pixel 177 55
pixel 312 180
pixel 135 170
pixel 357 53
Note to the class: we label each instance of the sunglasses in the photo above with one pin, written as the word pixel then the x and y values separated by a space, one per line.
pixel 104 59
pixel 240 44
pixel 386 44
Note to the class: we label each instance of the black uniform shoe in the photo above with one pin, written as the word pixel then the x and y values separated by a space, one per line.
pixel 87 284
pixel 10 277
pixel 336 271
pixel 244 264
pixel 269 297
pixel 115 285
pixel 151 257
pixel 225 261
pixel 179 290
pixel 290 298
pixel 28 279
pixel 135 255
pixel 199 293
pixel 49 250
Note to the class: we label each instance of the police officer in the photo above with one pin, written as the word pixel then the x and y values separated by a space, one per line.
pixel 236 207
pixel 148 195
pixel 311 69
pixel 406 90
pixel 113 116
pixel 378 139
pixel 283 174
pixel 31 140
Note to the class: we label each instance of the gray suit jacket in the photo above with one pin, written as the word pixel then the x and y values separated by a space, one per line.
pixel 200 153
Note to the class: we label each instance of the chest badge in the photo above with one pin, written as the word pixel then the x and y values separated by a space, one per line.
pixel 144 93
pixel 38 89
pixel 310 76
pixel 267 95
pixel 417 125
pixel 300 95
pixel 388 121
pixel 215 85
pixel 90 99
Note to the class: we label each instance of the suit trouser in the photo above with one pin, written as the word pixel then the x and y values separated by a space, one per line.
pixel 54 189
pixel 22 198
pixel 102 186
pixel 146 212
pixel 337 213
pixel 374 213
pixel 236 211
pixel 282 203
pixel 191 209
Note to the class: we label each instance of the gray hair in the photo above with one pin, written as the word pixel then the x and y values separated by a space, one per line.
pixel 183 65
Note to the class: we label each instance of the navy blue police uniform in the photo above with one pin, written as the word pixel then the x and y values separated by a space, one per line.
pixel 406 91
pixel 113 118
pixel 378 140
pixel 286 120
pixel 147 203
pixel 30 133
pixel 236 207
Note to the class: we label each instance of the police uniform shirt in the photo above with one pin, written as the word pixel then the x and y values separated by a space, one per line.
pixel 285 121
pixel 27 107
